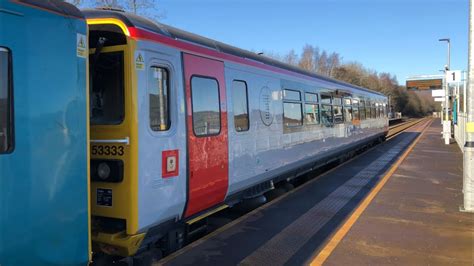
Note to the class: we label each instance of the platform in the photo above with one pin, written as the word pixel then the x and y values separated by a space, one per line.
pixel 414 218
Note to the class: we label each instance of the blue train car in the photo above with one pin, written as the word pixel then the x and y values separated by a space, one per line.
pixel 43 134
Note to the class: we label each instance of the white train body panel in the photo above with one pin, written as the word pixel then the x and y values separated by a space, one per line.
pixel 256 155
pixel 160 199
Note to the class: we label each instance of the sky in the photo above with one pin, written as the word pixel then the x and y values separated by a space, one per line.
pixel 395 36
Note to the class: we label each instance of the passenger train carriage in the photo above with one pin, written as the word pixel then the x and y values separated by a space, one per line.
pixel 44 208
pixel 182 125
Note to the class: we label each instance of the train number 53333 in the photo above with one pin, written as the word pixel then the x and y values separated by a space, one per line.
pixel 107 150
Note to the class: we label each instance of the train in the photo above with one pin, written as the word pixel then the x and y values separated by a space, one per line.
pixel 44 134
pixel 141 130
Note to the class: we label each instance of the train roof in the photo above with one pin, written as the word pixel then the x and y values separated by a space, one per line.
pixel 132 20
pixel 55 6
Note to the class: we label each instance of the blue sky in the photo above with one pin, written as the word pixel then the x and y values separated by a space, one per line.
pixel 400 37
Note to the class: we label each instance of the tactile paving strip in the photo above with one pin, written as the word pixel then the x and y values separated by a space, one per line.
pixel 285 244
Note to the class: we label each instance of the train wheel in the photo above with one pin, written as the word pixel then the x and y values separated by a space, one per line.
pixel 274 193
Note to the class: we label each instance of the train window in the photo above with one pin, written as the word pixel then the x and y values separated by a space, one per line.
pixel 355 110
pixel 367 109
pixel 311 97
pixel 6 104
pixel 292 108
pixel 326 114
pixel 347 110
pixel 292 114
pixel 107 96
pixel 292 95
pixel 337 109
pixel 206 106
pixel 373 113
pixel 158 84
pixel 362 109
pixel 325 99
pixel 377 110
pixel 311 108
pixel 240 105
pixel 338 116
pixel 311 114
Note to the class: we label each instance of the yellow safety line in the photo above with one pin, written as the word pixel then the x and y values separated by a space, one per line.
pixel 344 229
pixel 209 213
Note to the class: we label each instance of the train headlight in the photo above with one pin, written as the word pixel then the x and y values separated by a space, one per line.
pixel 103 171
pixel 107 170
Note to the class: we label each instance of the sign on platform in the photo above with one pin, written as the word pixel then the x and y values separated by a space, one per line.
pixel 439 99
pixel 428 83
pixel 453 76
pixel 438 93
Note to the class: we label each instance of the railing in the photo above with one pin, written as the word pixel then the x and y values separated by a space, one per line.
pixel 460 130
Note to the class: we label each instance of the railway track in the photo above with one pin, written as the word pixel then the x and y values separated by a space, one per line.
pixel 399 128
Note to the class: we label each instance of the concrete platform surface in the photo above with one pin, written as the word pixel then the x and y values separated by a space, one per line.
pixel 415 218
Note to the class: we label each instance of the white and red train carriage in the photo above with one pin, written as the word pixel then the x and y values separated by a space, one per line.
pixel 183 125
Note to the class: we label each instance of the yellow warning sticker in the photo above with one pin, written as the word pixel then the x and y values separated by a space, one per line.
pixel 139 61
pixel 81 45
pixel 470 127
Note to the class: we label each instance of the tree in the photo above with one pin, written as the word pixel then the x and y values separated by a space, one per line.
pixel 334 61
pixel 307 58
pixel 146 8
pixel 291 58
pixel 322 67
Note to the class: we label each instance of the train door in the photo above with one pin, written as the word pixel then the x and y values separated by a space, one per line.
pixel 207 133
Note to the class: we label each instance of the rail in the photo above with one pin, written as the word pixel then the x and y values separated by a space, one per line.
pixel 399 128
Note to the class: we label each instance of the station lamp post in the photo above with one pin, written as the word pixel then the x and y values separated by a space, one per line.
pixel 447 122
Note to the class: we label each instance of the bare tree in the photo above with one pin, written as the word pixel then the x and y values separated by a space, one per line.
pixel 322 63
pixel 334 61
pixel 146 8
pixel 307 58
pixel 291 58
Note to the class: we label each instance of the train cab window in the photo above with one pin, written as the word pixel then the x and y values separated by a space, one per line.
pixel 347 110
pixel 240 105
pixel 292 108
pixel 206 106
pixel 337 108
pixel 6 105
pixel 311 109
pixel 355 110
pixel 158 87
pixel 362 109
pixel 107 96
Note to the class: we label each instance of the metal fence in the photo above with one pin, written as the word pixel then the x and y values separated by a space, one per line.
pixel 460 130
